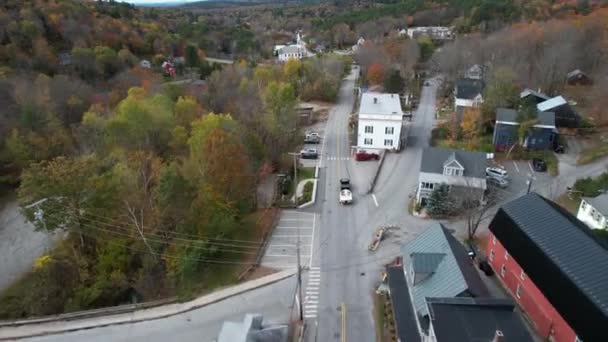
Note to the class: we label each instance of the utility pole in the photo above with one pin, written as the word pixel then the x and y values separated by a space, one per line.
pixel 295 180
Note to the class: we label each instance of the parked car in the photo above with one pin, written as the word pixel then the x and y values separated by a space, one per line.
pixel 312 139
pixel 539 165
pixel 344 184
pixel 498 182
pixel 496 173
pixel 364 156
pixel 309 153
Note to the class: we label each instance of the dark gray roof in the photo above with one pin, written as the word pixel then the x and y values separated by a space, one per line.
pixel 405 318
pixel 453 275
pixel 546 118
pixel 527 92
pixel 467 88
pixel 426 262
pixel 600 203
pixel 506 115
pixel 476 319
pixel 561 256
pixel 474 163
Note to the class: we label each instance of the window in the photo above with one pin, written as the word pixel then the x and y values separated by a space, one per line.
pixel 522 275
pixel 503 270
pixel 427 185
pixel 388 142
pixel 369 129
pixel 389 130
pixel 493 239
pixel 506 255
pixel 368 141
pixel 492 255
pixel 519 291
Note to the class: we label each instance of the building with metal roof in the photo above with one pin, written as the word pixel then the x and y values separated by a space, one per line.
pixel 554 266
pixel 475 319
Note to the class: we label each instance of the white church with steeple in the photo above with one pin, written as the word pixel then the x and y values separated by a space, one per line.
pixel 297 50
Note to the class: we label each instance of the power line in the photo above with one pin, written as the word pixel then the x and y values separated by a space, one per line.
pixel 57 220
pixel 117 223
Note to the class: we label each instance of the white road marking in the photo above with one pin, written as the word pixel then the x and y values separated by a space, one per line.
pixel 516 167
pixel 282 236
pixel 297 219
pixel 375 200
pixel 286 255
pixel 303 228
pixel 530 166
pixel 312 242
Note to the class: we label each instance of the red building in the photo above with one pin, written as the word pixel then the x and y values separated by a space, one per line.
pixel 554 268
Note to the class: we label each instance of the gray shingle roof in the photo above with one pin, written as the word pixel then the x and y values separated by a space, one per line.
pixel 475 319
pixel 566 242
pixel 405 317
pixel 474 163
pixel 467 88
pixel 506 115
pixel 448 279
pixel 600 203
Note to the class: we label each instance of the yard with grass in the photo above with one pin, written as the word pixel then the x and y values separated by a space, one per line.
pixel 592 154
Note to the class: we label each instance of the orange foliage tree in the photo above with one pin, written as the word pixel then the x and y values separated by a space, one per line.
pixel 375 73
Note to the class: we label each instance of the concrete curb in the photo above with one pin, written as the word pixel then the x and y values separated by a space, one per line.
pixel 380 163
pixel 22 329
pixel 314 191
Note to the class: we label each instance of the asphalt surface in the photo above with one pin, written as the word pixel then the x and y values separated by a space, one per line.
pixel 349 273
pixel 20 244
pixel 274 301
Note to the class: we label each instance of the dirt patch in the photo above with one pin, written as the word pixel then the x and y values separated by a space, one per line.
pixel 259 272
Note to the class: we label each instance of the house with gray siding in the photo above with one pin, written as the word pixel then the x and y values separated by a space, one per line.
pixel 464 172
pixel 541 136
pixel 565 116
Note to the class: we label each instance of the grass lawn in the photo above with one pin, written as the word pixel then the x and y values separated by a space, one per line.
pixel 569 203
pixel 306 173
pixel 483 145
pixel 592 154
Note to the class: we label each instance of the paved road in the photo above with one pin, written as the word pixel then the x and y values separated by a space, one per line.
pixel 273 301
pixel 20 245
pixel 348 272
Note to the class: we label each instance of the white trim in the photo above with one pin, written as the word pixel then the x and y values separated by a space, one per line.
pixel 544 126
pixel 507 123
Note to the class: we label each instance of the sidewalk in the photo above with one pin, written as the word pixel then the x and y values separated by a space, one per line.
pixel 23 329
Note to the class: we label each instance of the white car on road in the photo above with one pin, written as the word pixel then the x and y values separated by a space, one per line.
pixel 346 196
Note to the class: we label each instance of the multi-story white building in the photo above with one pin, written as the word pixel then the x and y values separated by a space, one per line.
pixel 593 211
pixel 380 121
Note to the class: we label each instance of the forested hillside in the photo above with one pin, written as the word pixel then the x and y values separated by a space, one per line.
pixel 151 183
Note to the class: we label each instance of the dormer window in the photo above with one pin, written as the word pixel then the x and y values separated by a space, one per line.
pixel 452 167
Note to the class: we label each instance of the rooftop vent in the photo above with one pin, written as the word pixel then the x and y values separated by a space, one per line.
pixel 375 100
pixel 498 336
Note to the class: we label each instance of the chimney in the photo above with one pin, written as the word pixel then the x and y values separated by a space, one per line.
pixel 391 96
pixel 375 100
pixel 498 336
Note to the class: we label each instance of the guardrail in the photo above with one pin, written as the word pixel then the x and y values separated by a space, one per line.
pixel 114 310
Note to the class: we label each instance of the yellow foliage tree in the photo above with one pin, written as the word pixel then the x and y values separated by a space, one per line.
pixel 471 124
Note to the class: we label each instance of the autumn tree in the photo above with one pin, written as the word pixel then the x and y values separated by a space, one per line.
pixel 375 73
pixel 502 91
pixel 280 119
pixel 471 125
pixel 142 121
pixel 394 83
pixel 70 188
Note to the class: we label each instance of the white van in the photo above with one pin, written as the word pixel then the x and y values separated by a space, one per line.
pixel 497 173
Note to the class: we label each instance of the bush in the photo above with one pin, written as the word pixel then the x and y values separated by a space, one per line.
pixel 589 187
pixel 307 193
